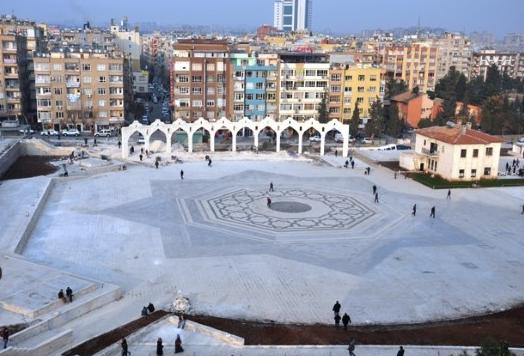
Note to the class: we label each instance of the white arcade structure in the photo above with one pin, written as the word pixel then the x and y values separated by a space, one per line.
pixel 234 127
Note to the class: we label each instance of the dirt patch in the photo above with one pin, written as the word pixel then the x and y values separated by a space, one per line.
pixel 505 326
pixel 393 165
pixel 30 166
pixel 99 343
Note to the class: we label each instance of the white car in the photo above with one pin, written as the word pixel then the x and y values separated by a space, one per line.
pixel 339 138
pixel 49 133
pixel 103 133
pixel 366 141
pixel 315 138
pixel 28 131
pixel 71 132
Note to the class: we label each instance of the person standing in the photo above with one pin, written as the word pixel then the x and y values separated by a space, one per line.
pixel 144 311
pixel 336 308
pixel 182 174
pixel 337 320
pixel 141 157
pixel 449 194
pixel 156 164
pixel 123 344
pixel 432 214
pixel 69 293
pixel 374 189
pixel 268 202
pixel 159 347
pixel 346 164
pixel 352 164
pixel 400 351
pixel 61 296
pixel 209 162
pixel 414 212
pixel 178 345
pixel 5 336
pixel 346 320
pixel 376 198
pixel 271 188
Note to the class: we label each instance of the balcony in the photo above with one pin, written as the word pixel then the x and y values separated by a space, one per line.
pixel 9 60
pixel 72 84
pixel 429 152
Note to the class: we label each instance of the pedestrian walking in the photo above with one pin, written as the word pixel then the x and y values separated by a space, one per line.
pixel 141 157
pixel 337 320
pixel 5 336
pixel 395 175
pixel 85 141
pixel 123 344
pixel 351 348
pixel 414 212
pixel 432 214
pixel 346 320
pixel 376 198
pixel 268 202
pixel 352 164
pixel 400 351
pixel 374 189
pixel 156 164
pixel 336 153
pixel 522 212
pixel 159 347
pixel 178 345
pixel 182 174
pixel 94 142
pixel 209 162
pixel 346 164
pixel 449 194
pixel 69 294
pixel 150 307
pixel 369 170
pixel 271 187
pixel 61 295
pixel 119 144
pixel 336 308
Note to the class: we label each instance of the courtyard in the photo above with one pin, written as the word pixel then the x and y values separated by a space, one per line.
pixel 212 238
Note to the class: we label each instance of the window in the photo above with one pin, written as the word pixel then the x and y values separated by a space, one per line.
pixel 360 89
pixel 58 91
pixel 210 103
pixel 475 153
pixel 259 86
pixel 239 107
pixel 310 72
pixel 86 67
pixel 487 171
pixel 59 103
pixel 461 173
pixel 463 153
pixel 87 80
pixel 102 79
pixel 88 92
pixel 59 114
pixel 101 91
pixel 196 66
pixel 361 78
pixel 57 66
pixel 196 79
pixel 348 77
pixel 197 103
pixel 101 103
pixel 322 73
pixel 100 67
pixel 489 151
pixel 183 79
pixel 196 91
pixel 473 173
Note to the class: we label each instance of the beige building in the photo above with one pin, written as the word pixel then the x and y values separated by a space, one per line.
pixel 507 62
pixel 84 90
pixel 454 51
pixel 454 153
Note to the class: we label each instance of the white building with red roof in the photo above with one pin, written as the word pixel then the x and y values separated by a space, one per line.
pixel 454 153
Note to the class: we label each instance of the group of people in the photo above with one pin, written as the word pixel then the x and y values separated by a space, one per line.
pixel 513 167
pixel 268 197
pixel 432 213
pixel 348 162
pixel 148 310
pixel 67 296
pixel 159 346
pixel 346 320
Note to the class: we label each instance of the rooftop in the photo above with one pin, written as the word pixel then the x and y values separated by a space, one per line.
pixel 459 135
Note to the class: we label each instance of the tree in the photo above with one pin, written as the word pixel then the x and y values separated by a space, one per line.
pixel 448 111
pixel 355 121
pixel 493 82
pixel 395 87
pixel 376 125
pixel 494 348
pixel 323 114
pixel 425 123
pixel 460 87
pixel 393 124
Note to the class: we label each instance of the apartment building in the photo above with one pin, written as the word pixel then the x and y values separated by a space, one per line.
pixel 352 84
pixel 507 62
pixel 129 42
pixel 80 89
pixel 201 79
pixel 14 79
pixel 416 63
pixel 303 83
pixel 33 38
pixel 292 15
pixel 255 85
pixel 454 51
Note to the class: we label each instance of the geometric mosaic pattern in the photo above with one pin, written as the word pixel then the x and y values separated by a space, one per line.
pixel 247 209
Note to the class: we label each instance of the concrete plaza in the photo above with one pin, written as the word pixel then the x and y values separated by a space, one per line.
pixel 212 237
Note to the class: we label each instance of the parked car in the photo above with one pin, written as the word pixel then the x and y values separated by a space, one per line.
pixel 103 133
pixel 339 138
pixel 71 133
pixel 141 140
pixel 49 133
pixel 366 141
pixel 403 147
pixel 315 138
pixel 26 131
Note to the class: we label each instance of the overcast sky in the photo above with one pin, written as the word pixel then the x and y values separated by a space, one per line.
pixel 343 16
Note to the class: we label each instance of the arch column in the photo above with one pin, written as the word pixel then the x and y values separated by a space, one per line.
pixel 190 142
pixel 125 144
pixel 212 141
pixel 300 143
pixel 278 141
pixel 322 144
pixel 256 138
pixel 233 142
pixel 345 146
pixel 146 142
pixel 168 144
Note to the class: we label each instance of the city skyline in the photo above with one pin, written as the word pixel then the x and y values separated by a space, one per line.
pixel 467 16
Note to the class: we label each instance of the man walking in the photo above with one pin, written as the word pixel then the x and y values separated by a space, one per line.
pixel 337 320
pixel 449 194
pixel 346 320
pixel 432 214
pixel 400 351
pixel 414 212
pixel 352 164
pixel 123 344
pixel 374 189
pixel 156 164
pixel 376 198
pixel 5 336
pixel 182 174
pixel 69 294
pixel 351 348
pixel 336 308
pixel 271 188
